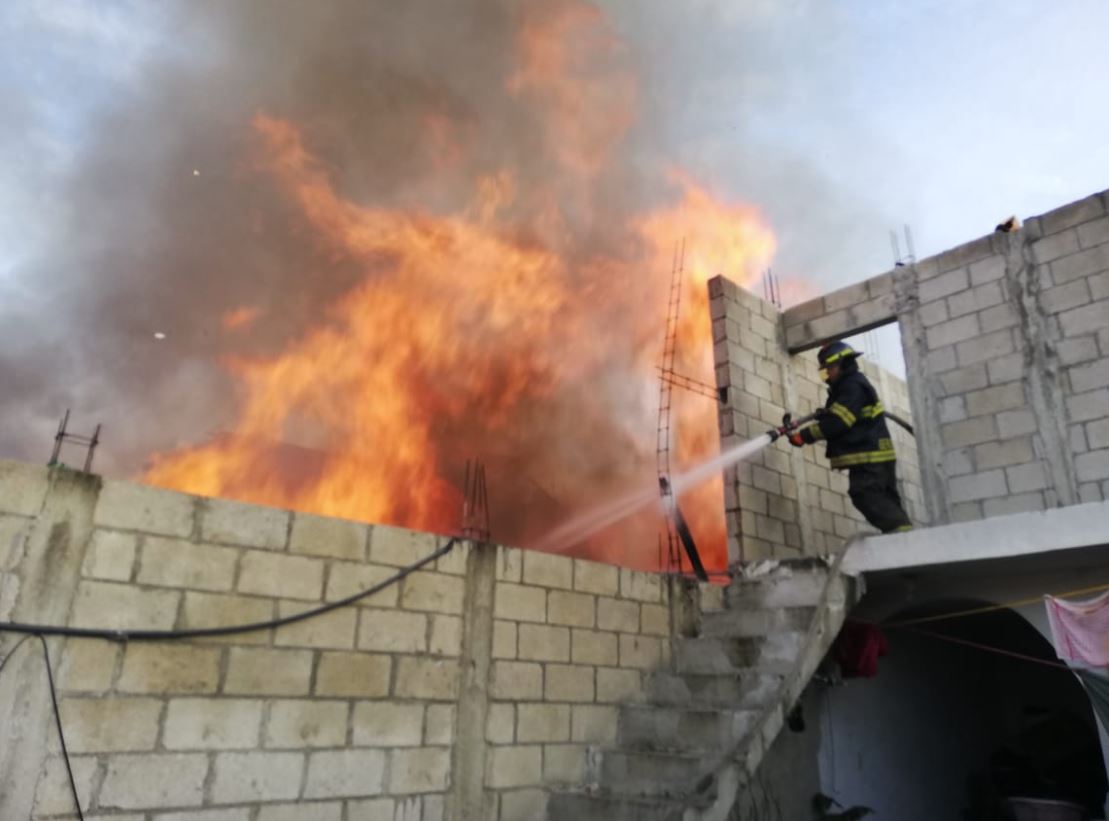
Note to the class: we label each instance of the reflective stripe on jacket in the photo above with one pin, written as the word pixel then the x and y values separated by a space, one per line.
pixel 854 424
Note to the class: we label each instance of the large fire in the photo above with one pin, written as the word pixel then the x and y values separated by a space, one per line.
pixel 488 330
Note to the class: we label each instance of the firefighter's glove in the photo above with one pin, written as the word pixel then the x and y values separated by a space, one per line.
pixel 801 438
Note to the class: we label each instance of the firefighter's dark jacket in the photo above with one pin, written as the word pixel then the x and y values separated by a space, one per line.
pixel 853 423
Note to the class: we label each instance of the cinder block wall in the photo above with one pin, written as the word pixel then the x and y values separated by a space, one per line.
pixel 784 502
pixel 371 711
pixel 1006 340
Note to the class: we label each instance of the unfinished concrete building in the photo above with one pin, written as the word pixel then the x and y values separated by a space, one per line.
pixel 509 685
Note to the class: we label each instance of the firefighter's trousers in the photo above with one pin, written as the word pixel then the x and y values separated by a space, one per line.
pixel 873 490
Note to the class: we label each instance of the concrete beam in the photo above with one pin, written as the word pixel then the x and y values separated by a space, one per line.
pixel 854 309
pixel 999 537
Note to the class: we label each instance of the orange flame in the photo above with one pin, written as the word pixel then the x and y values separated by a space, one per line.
pixel 468 336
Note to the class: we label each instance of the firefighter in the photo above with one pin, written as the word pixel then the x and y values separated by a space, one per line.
pixel 858 441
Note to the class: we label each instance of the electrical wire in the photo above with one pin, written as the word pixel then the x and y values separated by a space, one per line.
pixel 167 635
pixel 40 631
pixel 991 607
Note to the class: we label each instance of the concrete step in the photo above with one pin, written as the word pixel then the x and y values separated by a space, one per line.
pixel 715 656
pixel 784 587
pixel 603 806
pixel 779 653
pixel 648 773
pixel 750 689
pixel 753 623
pixel 683 729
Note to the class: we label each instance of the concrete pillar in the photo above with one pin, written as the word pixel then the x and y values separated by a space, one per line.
pixel 50 570
pixel 468 798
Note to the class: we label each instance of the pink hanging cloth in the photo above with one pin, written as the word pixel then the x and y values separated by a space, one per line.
pixel 1080 629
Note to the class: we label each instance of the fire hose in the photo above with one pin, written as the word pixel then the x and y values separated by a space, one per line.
pixel 789 424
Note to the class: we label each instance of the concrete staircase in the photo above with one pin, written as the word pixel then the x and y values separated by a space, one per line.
pixel 686 753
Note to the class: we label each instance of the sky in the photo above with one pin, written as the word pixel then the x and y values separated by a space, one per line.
pixel 838 121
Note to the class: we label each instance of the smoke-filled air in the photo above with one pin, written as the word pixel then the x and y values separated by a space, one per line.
pixel 377 240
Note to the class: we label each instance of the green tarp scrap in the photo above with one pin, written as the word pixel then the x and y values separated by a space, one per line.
pixel 1097 686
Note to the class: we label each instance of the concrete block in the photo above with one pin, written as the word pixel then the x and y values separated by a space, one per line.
pixel 1052 247
pixel 111 556
pixel 543 643
pixel 169 668
pixel 1064 297
pixel 1077 439
pixel 520 603
pixel 998 318
pixel 1086 406
pixel 518 766
pixel 212 724
pixel 1087 319
pixel 985 347
pixel 236 814
pixel 953 409
pixel 1009 396
pixel 1089 377
pixel 571 609
pixel 433 592
pixel 348 578
pixel 986 270
pixel 446 636
pixel 943 285
pixel 454 562
pixel 510 565
pixel 640 586
pixel 1081 264
pixel 1097 433
pixel 280 576
pixel 804 312
pixel 504 639
pixel 1091 492
pixel 1002 454
pixel 333 630
pixel 439 726
pixel 222 520
pixel 643 652
pixel 1075 213
pixel 53 794
pixel 548 570
pixel 422 770
pixel 307 811
pixel 1093 233
pixel 1019 503
pixel 564 763
pixel 121 607
pixel 969 432
pixel 333 773
pixel 392 631
pixel 87 666
pixel 1004 369
pixel 568 682
pixel 957 462
pixel 975 300
pixel 262 671
pixel 208 610
pixel 655 619
pixel 178 563
pixel 375 809
pixel 594 724
pixel 591 647
pixel 933 313
pixel 517 681
pixel 399 547
pixel 428 678
pixel 524 805
pixel 1078 350
pixel 940 360
pixel 113 724
pixel 1099 286
pixel 1026 477
pixel 619 686
pixel 1016 423
pixel 148 781
pixel 593 577
pixel 500 723
pixel 23 488
pixel 872 312
pixel 323 536
pixel 128 506
pixel 769 529
pixel 255 776
pixel 966 512
pixel 977 486
pixel 387 724
pixel 617 614
pixel 1092 466
pixel 542 722
pixel 763 327
pixel 359 675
